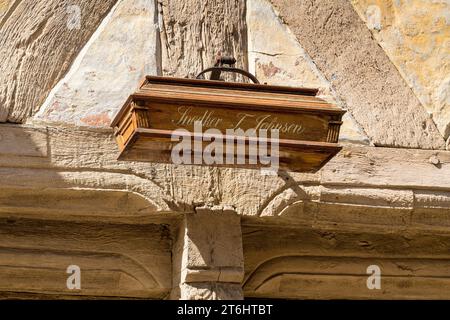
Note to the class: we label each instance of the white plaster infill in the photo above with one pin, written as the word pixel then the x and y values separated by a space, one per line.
pixel 76 63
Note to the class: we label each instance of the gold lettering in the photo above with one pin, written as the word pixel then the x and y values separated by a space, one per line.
pixel 242 117
pixel 187 117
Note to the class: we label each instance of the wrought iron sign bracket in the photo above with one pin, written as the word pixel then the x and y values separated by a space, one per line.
pixel 220 67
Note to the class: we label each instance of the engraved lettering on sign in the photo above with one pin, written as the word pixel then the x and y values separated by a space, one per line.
pixel 269 122
pixel 187 117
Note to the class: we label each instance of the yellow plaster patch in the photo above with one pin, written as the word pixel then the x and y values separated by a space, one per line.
pixel 415 35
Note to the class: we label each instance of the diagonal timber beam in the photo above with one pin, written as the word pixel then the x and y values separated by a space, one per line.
pixel 344 50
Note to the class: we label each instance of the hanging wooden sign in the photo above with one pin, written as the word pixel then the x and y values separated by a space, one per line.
pixel 167 113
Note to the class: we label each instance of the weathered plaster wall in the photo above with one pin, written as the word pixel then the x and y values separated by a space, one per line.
pixel 109 68
pixel 415 34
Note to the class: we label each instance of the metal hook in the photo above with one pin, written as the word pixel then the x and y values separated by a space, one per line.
pixel 219 68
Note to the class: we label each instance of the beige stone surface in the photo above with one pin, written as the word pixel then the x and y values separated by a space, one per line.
pixel 324 277
pixel 37 48
pixel 416 37
pixel 114 259
pixel 343 49
pixel 191 37
pixel 347 210
pixel 122 51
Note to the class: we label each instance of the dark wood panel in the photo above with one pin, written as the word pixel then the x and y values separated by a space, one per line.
pixel 308 126
pixel 151 145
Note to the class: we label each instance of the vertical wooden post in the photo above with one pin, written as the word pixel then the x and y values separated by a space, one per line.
pixel 192 33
